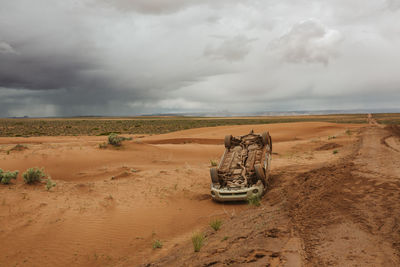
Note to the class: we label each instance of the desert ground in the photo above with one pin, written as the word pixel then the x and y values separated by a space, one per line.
pixel 333 200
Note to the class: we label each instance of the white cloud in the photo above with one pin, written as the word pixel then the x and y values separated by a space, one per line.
pixel 230 49
pixel 308 41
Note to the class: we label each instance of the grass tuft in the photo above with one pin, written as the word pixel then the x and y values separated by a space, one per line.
pixel 254 200
pixel 216 224
pixel 213 162
pixel 50 184
pixel 335 151
pixel 198 241
pixel 103 145
pixel 157 244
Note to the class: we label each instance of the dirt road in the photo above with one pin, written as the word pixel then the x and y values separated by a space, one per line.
pixel 343 212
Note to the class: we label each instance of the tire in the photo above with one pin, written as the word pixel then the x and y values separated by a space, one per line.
pixel 214 175
pixel 266 138
pixel 228 141
pixel 270 143
pixel 260 172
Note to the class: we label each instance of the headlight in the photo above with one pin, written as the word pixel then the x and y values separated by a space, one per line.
pixel 255 191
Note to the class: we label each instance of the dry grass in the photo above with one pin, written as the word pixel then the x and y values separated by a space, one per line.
pixel 216 224
pixel 198 241
pixel 150 125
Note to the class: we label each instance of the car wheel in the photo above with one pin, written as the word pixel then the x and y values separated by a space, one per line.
pixel 214 175
pixel 270 143
pixel 265 138
pixel 260 173
pixel 228 141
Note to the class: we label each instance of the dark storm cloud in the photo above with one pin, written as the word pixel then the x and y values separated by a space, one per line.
pixel 6 48
pixel 40 71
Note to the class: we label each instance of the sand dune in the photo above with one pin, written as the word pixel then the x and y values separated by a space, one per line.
pixel 110 204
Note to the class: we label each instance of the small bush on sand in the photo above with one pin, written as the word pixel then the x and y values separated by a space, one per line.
pixel 254 200
pixel 198 240
pixel 213 162
pixel 157 244
pixel 50 184
pixel 103 145
pixel 33 175
pixel 18 147
pixel 216 224
pixel 116 140
pixel 7 176
pixel 335 151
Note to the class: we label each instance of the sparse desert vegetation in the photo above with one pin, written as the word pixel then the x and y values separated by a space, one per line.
pixel 213 162
pixel 156 125
pixel 115 140
pixel 198 241
pixel 103 145
pixel 254 200
pixel 33 175
pixel 50 184
pixel 18 147
pixel 157 244
pixel 216 224
pixel 7 176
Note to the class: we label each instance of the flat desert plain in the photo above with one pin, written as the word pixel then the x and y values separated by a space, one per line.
pixel 333 200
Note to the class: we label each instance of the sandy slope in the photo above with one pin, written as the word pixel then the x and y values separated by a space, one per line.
pixel 110 204
pixel 342 212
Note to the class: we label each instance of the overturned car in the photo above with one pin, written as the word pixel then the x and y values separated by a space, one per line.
pixel 243 170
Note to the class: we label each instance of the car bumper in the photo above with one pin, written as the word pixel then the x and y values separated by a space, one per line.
pixel 223 194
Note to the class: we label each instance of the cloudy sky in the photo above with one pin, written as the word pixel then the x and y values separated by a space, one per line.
pixel 127 57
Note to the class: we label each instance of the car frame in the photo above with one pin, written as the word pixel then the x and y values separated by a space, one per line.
pixel 243 171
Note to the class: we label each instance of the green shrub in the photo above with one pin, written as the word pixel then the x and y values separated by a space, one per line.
pixel 216 224
pixel 116 140
pixel 18 147
pixel 213 162
pixel 103 145
pixel 335 151
pixel 157 244
pixel 254 200
pixel 50 184
pixel 33 175
pixel 198 240
pixel 7 176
